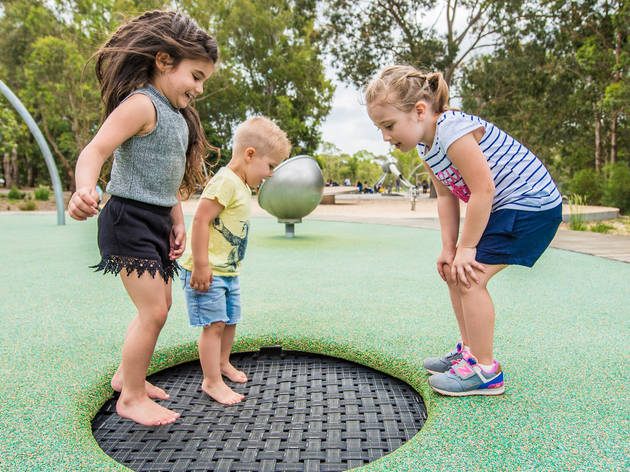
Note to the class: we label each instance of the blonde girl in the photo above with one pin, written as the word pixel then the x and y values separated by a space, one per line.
pixel 512 214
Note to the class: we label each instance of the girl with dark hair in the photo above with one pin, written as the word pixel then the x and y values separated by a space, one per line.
pixel 149 71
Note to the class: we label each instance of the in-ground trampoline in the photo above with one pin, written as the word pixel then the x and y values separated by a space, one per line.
pixel 302 412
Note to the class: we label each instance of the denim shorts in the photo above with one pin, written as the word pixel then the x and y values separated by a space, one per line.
pixel 517 236
pixel 221 303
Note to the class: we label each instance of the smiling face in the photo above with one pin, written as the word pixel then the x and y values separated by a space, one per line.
pixel 181 83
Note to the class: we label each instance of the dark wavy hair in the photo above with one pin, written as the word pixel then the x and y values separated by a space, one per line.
pixel 126 62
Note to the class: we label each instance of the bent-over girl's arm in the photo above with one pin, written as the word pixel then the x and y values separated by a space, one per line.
pixel 448 213
pixel 466 155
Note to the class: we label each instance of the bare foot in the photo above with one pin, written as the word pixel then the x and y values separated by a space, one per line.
pixel 152 390
pixel 145 411
pixel 221 392
pixel 233 374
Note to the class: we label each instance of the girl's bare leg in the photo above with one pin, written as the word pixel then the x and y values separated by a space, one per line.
pixel 456 301
pixel 227 368
pixel 149 295
pixel 210 358
pixel 478 314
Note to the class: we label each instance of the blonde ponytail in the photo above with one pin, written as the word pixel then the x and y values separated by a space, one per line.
pixel 403 86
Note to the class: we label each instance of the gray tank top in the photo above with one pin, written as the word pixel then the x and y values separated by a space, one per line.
pixel 150 168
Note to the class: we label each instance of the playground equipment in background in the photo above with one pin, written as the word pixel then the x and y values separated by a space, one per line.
pixel 389 167
pixel 43 146
pixel 294 190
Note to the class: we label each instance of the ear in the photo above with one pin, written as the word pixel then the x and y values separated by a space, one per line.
pixel 421 109
pixel 250 152
pixel 163 61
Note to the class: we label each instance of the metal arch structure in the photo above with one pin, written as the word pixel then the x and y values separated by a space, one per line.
pixel 39 137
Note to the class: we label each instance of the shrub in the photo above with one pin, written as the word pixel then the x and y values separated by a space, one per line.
pixel 589 184
pixel 576 218
pixel 42 193
pixel 28 206
pixel 15 194
pixel 617 190
pixel 601 228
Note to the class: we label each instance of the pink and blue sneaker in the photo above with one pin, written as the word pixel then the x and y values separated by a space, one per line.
pixel 468 378
pixel 438 365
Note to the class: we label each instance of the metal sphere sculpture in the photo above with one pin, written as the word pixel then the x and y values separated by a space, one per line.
pixel 294 190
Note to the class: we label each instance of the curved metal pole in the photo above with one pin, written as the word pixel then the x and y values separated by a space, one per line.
pixel 39 137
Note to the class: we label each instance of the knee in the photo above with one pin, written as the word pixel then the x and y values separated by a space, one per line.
pixel 157 316
pixel 217 327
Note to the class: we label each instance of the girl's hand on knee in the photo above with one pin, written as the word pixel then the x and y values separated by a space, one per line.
pixel 445 258
pixel 83 203
pixel 464 266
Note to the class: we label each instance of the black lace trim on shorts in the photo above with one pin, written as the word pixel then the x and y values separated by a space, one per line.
pixel 114 264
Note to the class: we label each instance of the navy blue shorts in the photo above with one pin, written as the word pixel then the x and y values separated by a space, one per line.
pixel 517 236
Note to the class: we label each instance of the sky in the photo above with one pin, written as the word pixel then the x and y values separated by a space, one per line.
pixel 348 125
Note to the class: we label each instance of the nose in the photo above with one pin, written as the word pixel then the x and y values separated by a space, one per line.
pixel 199 88
pixel 386 137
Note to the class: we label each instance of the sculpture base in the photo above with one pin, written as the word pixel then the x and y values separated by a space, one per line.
pixel 289 226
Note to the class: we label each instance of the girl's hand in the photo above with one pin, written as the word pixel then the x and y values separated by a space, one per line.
pixel 83 203
pixel 445 257
pixel 201 279
pixel 177 240
pixel 464 266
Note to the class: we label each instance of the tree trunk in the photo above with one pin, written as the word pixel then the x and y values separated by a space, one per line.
pixel 29 172
pixel 6 165
pixel 69 170
pixel 15 174
pixel 598 140
pixel 613 138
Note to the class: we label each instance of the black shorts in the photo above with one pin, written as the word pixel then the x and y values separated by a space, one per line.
pixel 135 236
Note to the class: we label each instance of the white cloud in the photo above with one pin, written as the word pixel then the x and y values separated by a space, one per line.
pixel 348 125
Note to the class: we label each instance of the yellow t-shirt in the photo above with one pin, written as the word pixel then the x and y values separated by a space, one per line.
pixel 228 232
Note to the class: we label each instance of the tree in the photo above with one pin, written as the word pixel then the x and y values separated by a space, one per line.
pixel 66 103
pixel 364 36
pixel 270 64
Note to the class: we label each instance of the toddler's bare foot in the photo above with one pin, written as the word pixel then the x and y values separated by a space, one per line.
pixel 145 411
pixel 233 374
pixel 152 390
pixel 221 392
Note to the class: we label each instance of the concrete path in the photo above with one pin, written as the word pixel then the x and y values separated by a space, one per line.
pixel 396 211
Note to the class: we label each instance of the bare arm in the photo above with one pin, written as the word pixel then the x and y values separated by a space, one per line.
pixel 448 212
pixel 207 211
pixel 177 237
pixel 134 116
pixel 467 156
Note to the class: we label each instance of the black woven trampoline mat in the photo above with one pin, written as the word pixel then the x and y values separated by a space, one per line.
pixel 302 412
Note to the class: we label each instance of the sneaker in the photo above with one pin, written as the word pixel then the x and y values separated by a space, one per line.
pixel 438 365
pixel 467 378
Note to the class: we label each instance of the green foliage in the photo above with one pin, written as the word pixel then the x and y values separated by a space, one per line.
pixel 589 184
pixel 336 166
pixel 576 218
pixel 601 228
pixel 27 206
pixel 271 64
pixel 617 190
pixel 15 194
pixel 42 193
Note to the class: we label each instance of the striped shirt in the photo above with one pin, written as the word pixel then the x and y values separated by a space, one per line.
pixel 521 180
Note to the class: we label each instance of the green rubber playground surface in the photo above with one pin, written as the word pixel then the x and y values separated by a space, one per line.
pixel 366 293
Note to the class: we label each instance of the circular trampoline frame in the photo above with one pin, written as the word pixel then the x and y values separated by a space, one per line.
pixel 302 412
